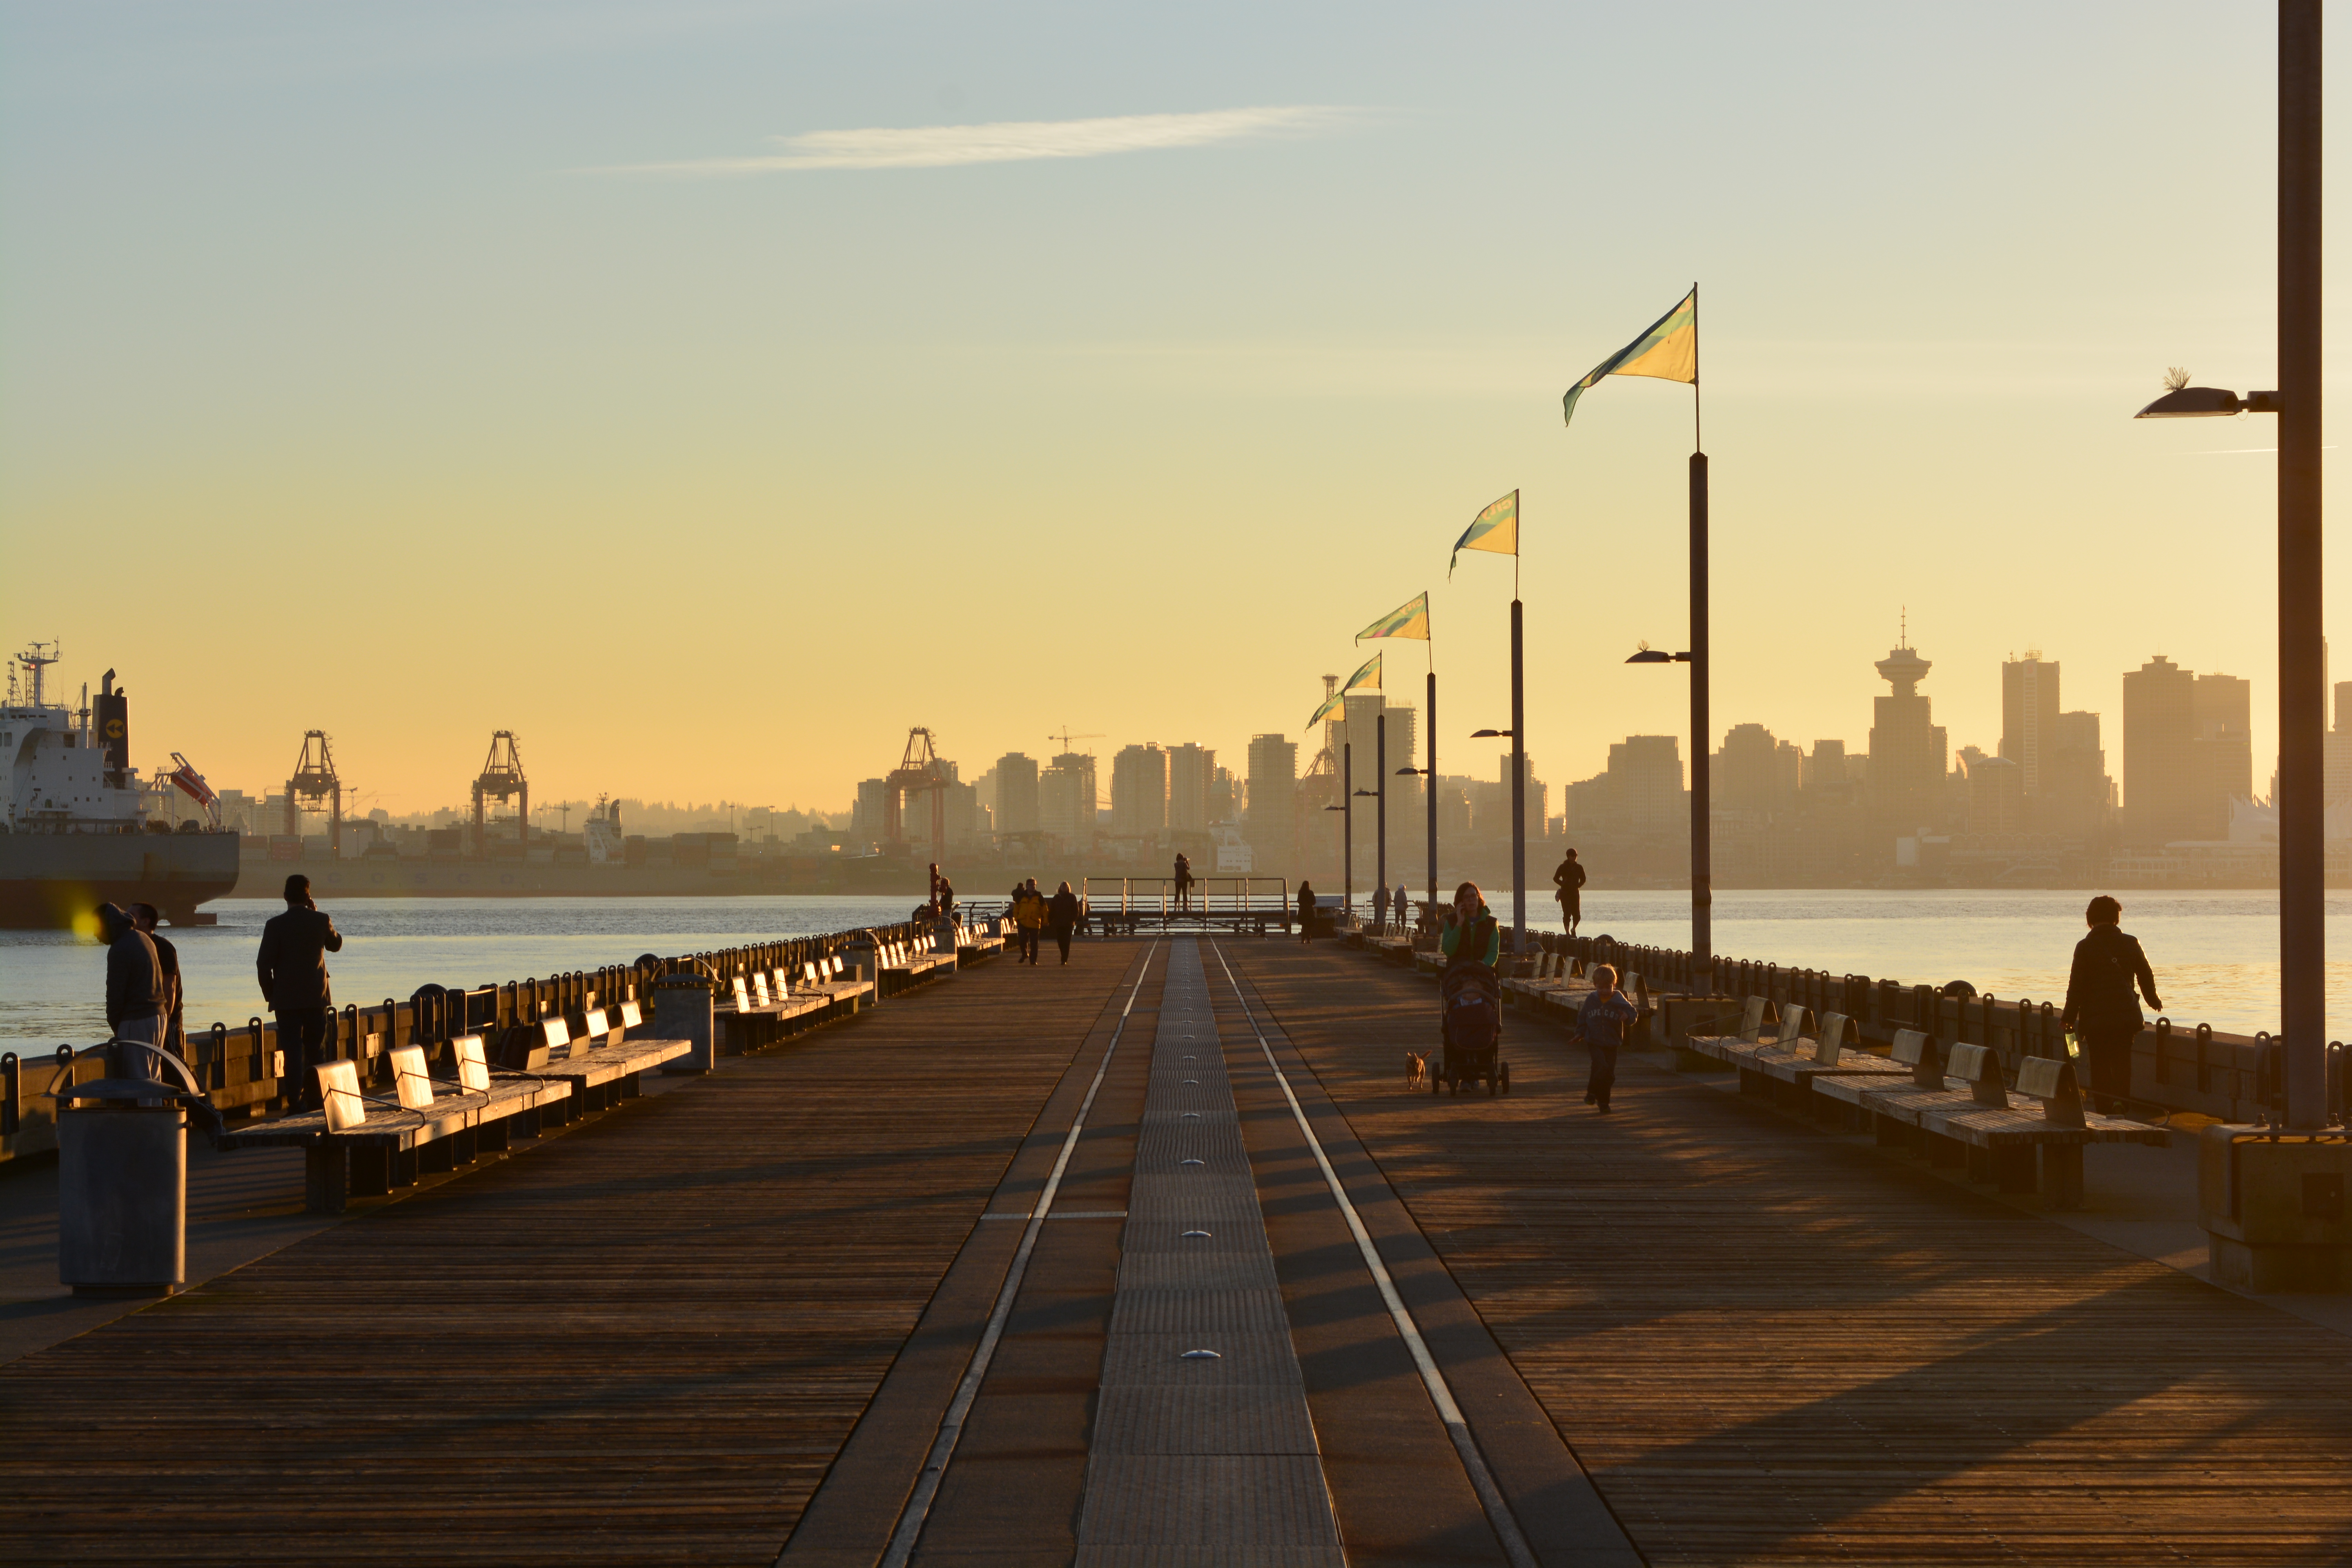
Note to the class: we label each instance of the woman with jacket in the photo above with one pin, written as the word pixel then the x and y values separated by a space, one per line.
pixel 1468 917
pixel 2100 1007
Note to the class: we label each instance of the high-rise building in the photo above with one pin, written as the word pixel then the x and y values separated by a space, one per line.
pixel 868 815
pixel 1273 799
pixel 1747 770
pixel 2075 785
pixel 1536 800
pixel 1016 792
pixel 1225 792
pixel 1190 771
pixel 2339 747
pixel 1066 797
pixel 1825 769
pixel 1996 795
pixel 1907 748
pixel 2223 711
pixel 2029 714
pixel 1139 790
pixel 2161 793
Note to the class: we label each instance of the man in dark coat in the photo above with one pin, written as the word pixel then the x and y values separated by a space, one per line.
pixel 2100 1007
pixel 146 917
pixel 293 969
pixel 134 979
pixel 1306 913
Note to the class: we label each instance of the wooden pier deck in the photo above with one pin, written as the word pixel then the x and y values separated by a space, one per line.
pixel 723 1323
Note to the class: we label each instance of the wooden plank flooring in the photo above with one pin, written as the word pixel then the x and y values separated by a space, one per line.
pixel 641 1344
pixel 1770 1346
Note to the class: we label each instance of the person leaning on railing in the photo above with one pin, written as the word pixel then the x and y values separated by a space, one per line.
pixel 2100 1007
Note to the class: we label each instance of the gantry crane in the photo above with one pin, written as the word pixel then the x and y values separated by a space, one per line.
pixel 501 777
pixel 314 780
pixel 918 772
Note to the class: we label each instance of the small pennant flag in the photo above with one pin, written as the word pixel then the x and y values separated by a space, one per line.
pixel 1409 619
pixel 1366 678
pixel 1336 703
pixel 1668 351
pixel 1495 528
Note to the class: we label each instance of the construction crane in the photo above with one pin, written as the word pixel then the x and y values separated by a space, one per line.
pixel 501 777
pixel 1065 737
pixel 918 772
pixel 314 781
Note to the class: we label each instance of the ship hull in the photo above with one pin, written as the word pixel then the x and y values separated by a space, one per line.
pixel 52 881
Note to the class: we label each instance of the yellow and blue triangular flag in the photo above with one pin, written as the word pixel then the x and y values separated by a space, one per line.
pixel 1495 528
pixel 1409 619
pixel 1668 351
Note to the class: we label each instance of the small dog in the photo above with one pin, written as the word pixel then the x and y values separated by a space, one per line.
pixel 1417 1069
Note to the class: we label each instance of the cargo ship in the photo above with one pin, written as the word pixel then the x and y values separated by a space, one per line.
pixel 82 829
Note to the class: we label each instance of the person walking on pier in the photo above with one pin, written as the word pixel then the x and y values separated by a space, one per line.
pixel 1568 883
pixel 292 964
pixel 1305 911
pixel 175 1034
pixel 135 991
pixel 2100 1007
pixel 1062 918
pixel 1028 919
pixel 1601 1023
pixel 1396 907
pixel 1380 910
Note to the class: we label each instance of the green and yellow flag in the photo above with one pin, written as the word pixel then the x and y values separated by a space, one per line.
pixel 1668 351
pixel 1334 704
pixel 1366 678
pixel 1495 528
pixel 1409 619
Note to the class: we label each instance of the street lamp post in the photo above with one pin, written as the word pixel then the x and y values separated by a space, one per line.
pixel 2302 652
pixel 1701 823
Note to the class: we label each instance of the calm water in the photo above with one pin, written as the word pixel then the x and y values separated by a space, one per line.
pixel 2216 954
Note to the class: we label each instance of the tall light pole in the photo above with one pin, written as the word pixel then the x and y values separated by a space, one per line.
pixel 2302 654
pixel 1701 813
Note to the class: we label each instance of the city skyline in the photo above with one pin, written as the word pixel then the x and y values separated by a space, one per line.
pixel 607 404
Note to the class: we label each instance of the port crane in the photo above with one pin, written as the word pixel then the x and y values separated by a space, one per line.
pixel 315 781
pixel 918 773
pixel 501 777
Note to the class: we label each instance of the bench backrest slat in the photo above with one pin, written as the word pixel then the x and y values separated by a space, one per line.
pixel 1837 1032
pixel 1979 1068
pixel 630 1015
pixel 1751 1021
pixel 410 1080
pixel 2051 1080
pixel 473 1064
pixel 1919 1052
pixel 1792 1026
pixel 808 974
pixel 783 985
pixel 554 1032
pixel 760 987
pixel 594 1022
pixel 339 1091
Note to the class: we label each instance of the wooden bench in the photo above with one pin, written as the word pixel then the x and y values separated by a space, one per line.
pixel 1957 1110
pixel 602 1063
pixel 830 979
pixel 363 1145
pixel 1784 1069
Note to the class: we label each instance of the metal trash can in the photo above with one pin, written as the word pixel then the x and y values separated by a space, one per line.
pixel 122 1178
pixel 682 1011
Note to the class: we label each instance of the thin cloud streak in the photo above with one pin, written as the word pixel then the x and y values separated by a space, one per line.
pixel 1004 141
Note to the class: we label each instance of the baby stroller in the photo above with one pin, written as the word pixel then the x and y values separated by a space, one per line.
pixel 1470 1029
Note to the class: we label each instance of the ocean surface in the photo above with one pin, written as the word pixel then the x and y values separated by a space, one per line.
pixel 2215 953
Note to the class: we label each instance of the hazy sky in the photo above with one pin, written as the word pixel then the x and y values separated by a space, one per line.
pixel 676 385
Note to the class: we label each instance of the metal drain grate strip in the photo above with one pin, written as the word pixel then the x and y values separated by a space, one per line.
pixel 1199 1457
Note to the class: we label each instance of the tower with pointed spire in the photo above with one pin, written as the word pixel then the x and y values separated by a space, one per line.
pixel 1909 750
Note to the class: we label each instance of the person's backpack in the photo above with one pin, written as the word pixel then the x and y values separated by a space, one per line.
pixel 1470 1002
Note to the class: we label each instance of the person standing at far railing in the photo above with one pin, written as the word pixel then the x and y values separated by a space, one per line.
pixel 2100 1007
pixel 1380 910
pixel 1305 911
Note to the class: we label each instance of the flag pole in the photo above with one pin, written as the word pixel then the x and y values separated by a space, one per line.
pixel 1519 755
pixel 1702 795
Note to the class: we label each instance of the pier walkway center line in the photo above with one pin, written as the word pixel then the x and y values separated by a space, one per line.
pixel 1202 1443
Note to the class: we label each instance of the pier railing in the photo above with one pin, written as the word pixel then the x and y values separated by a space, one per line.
pixel 240 1069
pixel 2175 1068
